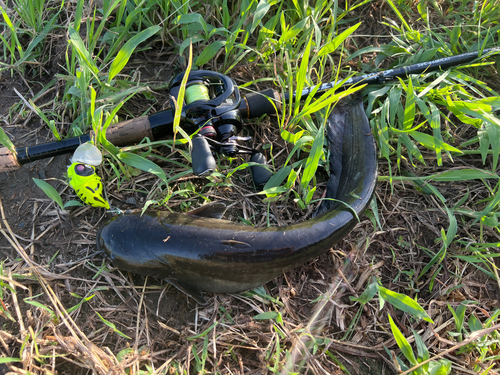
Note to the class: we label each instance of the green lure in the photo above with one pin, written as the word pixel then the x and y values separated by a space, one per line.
pixel 87 184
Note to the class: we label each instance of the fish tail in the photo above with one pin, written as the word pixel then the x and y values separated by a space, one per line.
pixel 345 125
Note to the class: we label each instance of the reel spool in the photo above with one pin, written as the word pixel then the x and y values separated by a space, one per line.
pixel 212 106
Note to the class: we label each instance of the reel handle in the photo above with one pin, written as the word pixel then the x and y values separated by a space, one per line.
pixel 201 157
pixel 260 174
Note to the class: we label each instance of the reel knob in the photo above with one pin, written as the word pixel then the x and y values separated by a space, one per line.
pixel 260 174
pixel 201 157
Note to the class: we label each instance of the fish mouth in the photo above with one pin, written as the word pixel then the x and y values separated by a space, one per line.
pixel 101 245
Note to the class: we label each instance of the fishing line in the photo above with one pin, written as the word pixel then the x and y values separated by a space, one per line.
pixel 195 92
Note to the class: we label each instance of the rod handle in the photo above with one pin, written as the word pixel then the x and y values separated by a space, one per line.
pixel 261 103
pixel 8 160
pixel 129 132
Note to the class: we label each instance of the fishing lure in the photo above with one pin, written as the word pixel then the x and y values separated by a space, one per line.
pixel 87 184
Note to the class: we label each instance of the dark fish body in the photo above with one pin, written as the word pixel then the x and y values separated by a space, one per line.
pixel 220 256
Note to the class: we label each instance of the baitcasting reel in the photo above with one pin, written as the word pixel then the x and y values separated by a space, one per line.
pixel 212 105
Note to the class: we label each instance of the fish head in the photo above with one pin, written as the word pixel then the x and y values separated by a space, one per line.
pixel 126 242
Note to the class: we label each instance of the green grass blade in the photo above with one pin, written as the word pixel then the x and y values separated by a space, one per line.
pixel 13 32
pixel 9 359
pixel 209 52
pixel 302 74
pixel 400 16
pixel 331 46
pixel 464 175
pixel 403 303
pixel 85 58
pixel 409 114
pixel 313 159
pixel 262 9
pixel 180 98
pixel 50 191
pixel 112 326
pixel 50 124
pixel 126 51
pixel 5 140
pixel 143 164
pixel 402 342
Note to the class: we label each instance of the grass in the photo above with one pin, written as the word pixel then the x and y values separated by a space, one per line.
pixel 420 283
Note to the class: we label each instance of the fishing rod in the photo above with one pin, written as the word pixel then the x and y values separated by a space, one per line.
pixel 214 107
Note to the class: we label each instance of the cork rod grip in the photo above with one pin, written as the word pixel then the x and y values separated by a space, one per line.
pixel 129 132
pixel 8 161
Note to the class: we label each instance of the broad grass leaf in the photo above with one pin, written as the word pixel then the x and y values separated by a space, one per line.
pixel 38 39
pixel 278 177
pixel 13 32
pixel 143 164
pixel 402 342
pixel 293 32
pixel 438 258
pixel 192 18
pixel 400 16
pixel 50 191
pixel 474 324
pixel 493 131
pixel 72 203
pixel 373 95
pixel 313 159
pixel 458 315
pixel 266 315
pixel 409 116
pixel 84 55
pixel 491 206
pixel 422 352
pixel 383 131
pixel 386 50
pixel 374 208
pixel 262 9
pixel 302 74
pixel 291 137
pixel 331 46
pixel 433 117
pixel 424 185
pixel 180 99
pixel 284 171
pixel 112 326
pixel 464 175
pixel 422 10
pixel 41 306
pixel 412 149
pixel 367 295
pixel 209 52
pixel 9 359
pixel 431 142
pixel 5 140
pixel 394 104
pixel 441 367
pixel 327 99
pixel 50 124
pixel 484 142
pixel 403 303
pixel 126 51
pixel 191 40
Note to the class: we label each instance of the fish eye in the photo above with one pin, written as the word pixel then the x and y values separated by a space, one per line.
pixel 101 242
